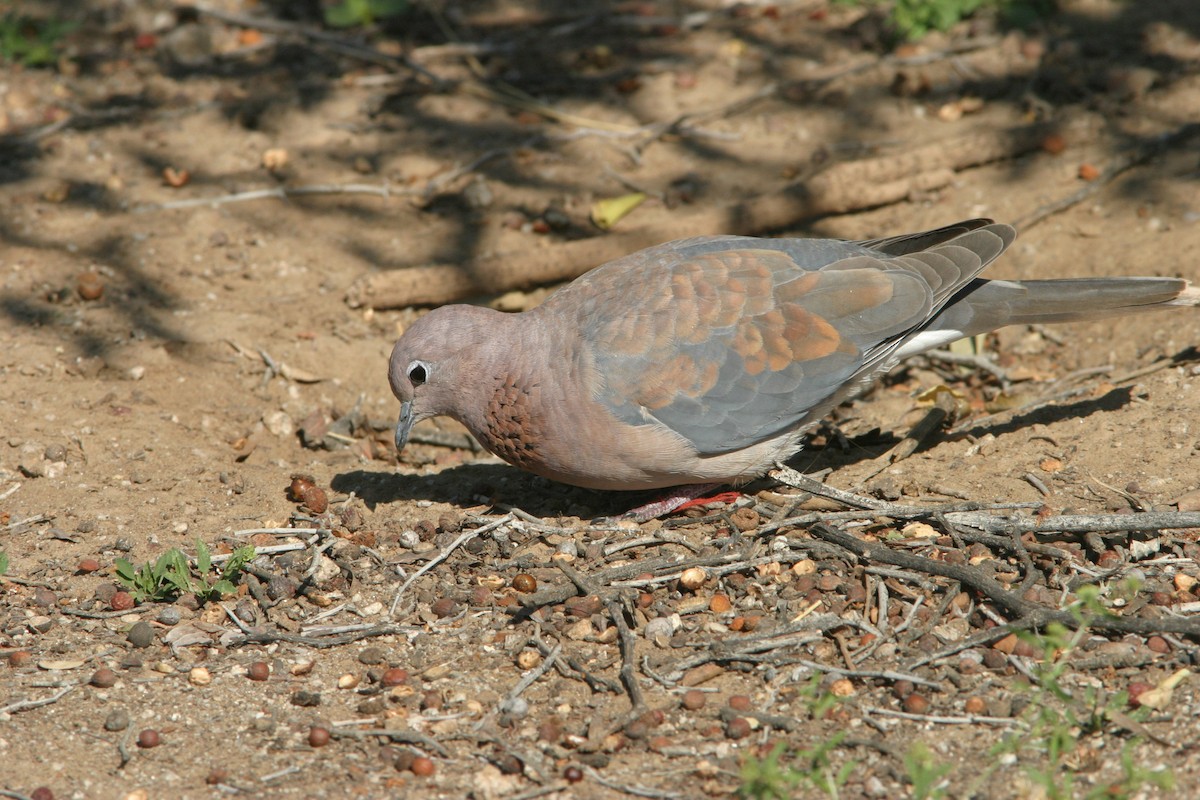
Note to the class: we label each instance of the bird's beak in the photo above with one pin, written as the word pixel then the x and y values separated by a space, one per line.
pixel 404 424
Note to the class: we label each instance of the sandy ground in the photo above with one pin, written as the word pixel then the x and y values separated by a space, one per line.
pixel 169 408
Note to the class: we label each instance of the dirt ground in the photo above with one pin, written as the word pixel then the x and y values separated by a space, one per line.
pixel 173 353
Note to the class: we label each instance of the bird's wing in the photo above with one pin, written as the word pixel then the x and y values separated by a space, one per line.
pixel 730 341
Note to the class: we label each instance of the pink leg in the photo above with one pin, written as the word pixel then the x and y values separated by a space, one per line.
pixel 676 499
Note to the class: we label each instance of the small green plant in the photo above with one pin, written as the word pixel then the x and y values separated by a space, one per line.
pixel 1058 722
pixel 913 19
pixel 359 13
pixel 171 575
pixel 769 779
pixel 924 772
pixel 3 563
pixel 31 42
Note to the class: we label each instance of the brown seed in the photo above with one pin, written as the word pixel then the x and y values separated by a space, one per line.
pixel 1137 689
pixel 315 500
pixel 916 703
pixel 89 285
pixel 121 601
pixel 738 728
pixel 318 736
pixel 719 604
pixel 1088 172
pixel 1054 143
pixel 1161 598
pixel 395 676
pixel 693 700
pixel 508 764
pixel 422 767
pixel 902 688
pixel 87 565
pixel 525 583
pixel 740 702
pixel 149 738
pixel 258 671
pixel 573 774
pixel 1158 644
pixel 41 793
pixel 217 775
pixel 103 678
pixel 19 658
pixel 445 607
pixel 432 700
pixel 175 178
pixel 299 486
pixel 549 731
pixel 974 705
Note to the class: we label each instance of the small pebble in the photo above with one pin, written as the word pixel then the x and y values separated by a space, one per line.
pixel 117 720
pixel 41 793
pixel 199 676
pixel 693 578
pixel 422 767
pixel 738 728
pixel 445 607
pixel 258 671
pixel 171 615
pixel 149 738
pixel 372 656
pixel 103 678
pixel 740 702
pixel 141 634
pixel 318 736
pixel 121 601
pixel 87 565
pixel 306 699
pixel 916 703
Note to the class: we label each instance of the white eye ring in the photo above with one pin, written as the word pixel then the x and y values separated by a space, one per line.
pixel 418 372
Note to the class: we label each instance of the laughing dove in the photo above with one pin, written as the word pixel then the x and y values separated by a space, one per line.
pixel 705 360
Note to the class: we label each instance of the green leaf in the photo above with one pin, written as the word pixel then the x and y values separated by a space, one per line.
pixel 126 574
pixel 203 558
pixel 3 562
pixel 223 587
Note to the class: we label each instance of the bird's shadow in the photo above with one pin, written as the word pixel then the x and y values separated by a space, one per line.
pixel 471 484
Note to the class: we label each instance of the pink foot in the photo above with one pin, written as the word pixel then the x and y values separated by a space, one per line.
pixel 679 498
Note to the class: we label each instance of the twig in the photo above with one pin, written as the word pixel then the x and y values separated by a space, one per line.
pixel 969 719
pixel 442 556
pixel 406 736
pixel 26 705
pixel 628 672
pixel 276 193
pixel 529 679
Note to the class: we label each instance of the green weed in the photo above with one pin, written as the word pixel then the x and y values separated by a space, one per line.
pixel 171 575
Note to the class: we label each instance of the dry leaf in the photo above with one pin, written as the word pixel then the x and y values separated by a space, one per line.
pixel 606 213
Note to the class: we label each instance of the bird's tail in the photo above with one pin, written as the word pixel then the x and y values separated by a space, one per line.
pixel 983 306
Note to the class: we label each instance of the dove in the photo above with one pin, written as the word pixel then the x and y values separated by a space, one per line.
pixel 706 360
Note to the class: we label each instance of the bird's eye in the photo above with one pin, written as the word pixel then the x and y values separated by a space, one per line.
pixel 418 372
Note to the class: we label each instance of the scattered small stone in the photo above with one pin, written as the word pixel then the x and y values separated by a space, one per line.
pixel 44 598
pixel 1088 172
pixel 87 566
pixel 549 731
pixel 432 700
pixel 348 680
pixel 117 720
pixel 121 601
pixel 89 285
pixel 573 774
pixel 720 603
pixel 306 699
pixel 444 607
pixel 141 634
pixel 528 659
pixel 19 658
pixel 258 671
pixel 199 676
pixel 171 615
pixel 217 776
pixel 318 736
pixel 103 678
pixel 1158 644
pixel 974 705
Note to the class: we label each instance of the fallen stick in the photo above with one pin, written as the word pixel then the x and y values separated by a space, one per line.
pixel 839 189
